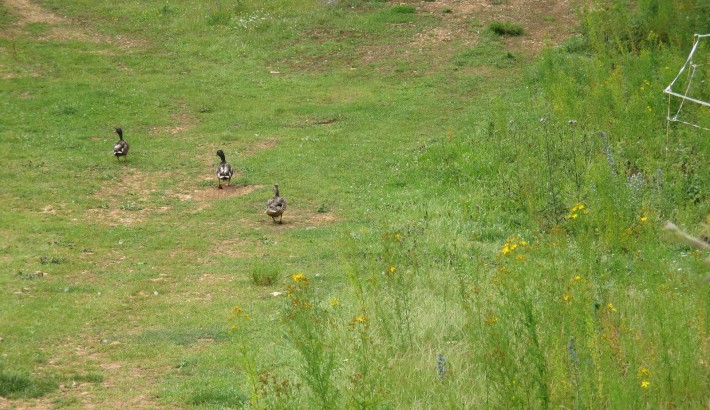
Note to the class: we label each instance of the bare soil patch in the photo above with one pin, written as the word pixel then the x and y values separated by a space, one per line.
pixel 462 22
pixel 293 218
pixel 212 193
pixel 267 143
pixel 182 120
pixel 237 248
pixel 61 28
pixel 543 21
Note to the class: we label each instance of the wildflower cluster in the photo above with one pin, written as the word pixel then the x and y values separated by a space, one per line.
pixel 644 374
pixel 298 293
pixel 236 315
pixel 299 278
pixel 490 320
pixel 393 236
pixel 441 366
pixel 576 210
pixel 359 320
pixel 280 389
pixel 512 245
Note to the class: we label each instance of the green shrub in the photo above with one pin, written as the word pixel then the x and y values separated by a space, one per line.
pixel 404 9
pixel 17 386
pixel 264 273
pixel 505 28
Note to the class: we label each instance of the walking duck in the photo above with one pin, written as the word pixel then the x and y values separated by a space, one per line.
pixel 120 148
pixel 224 170
pixel 276 206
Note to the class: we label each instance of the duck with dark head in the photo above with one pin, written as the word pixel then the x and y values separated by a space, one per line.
pixel 120 148
pixel 224 170
pixel 276 206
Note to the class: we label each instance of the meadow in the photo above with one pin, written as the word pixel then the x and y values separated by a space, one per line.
pixel 477 191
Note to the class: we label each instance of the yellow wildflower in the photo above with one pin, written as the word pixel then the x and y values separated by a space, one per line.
pixel 611 307
pixel 645 384
pixel 359 320
pixel 644 372
pixel 238 312
pixel 491 320
pixel 577 278
pixel 334 302
pixel 392 269
pixel 511 245
pixel 567 297
pixel 576 210
pixel 643 219
pixel 520 257
pixel 299 277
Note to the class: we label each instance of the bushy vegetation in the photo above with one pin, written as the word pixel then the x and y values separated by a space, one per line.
pixel 463 230
pixel 506 28
pixel 583 302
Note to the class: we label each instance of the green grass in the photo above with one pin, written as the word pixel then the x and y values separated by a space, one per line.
pixel 505 28
pixel 458 234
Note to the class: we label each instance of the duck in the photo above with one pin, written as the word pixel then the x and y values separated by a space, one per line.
pixel 224 170
pixel 120 148
pixel 276 205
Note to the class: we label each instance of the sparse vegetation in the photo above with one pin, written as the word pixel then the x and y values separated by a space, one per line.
pixel 265 273
pixel 505 28
pixel 471 223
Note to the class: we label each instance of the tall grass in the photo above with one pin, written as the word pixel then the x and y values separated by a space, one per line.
pixel 488 251
pixel 582 303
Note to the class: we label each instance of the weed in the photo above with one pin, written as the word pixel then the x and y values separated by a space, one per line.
pixel 227 396
pixel 403 9
pixel 131 207
pixel 30 275
pixel 14 385
pixel 46 260
pixel 307 327
pixel 265 273
pixel 505 28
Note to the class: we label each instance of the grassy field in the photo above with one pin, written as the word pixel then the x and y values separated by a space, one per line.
pixel 476 195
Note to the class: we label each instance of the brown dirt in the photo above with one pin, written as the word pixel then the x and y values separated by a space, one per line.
pixel 61 28
pixel 203 195
pixel 182 120
pixel 136 191
pixel 267 143
pixel 292 218
pixel 543 21
pixel 237 248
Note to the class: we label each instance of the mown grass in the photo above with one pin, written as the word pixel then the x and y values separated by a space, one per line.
pixel 459 233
